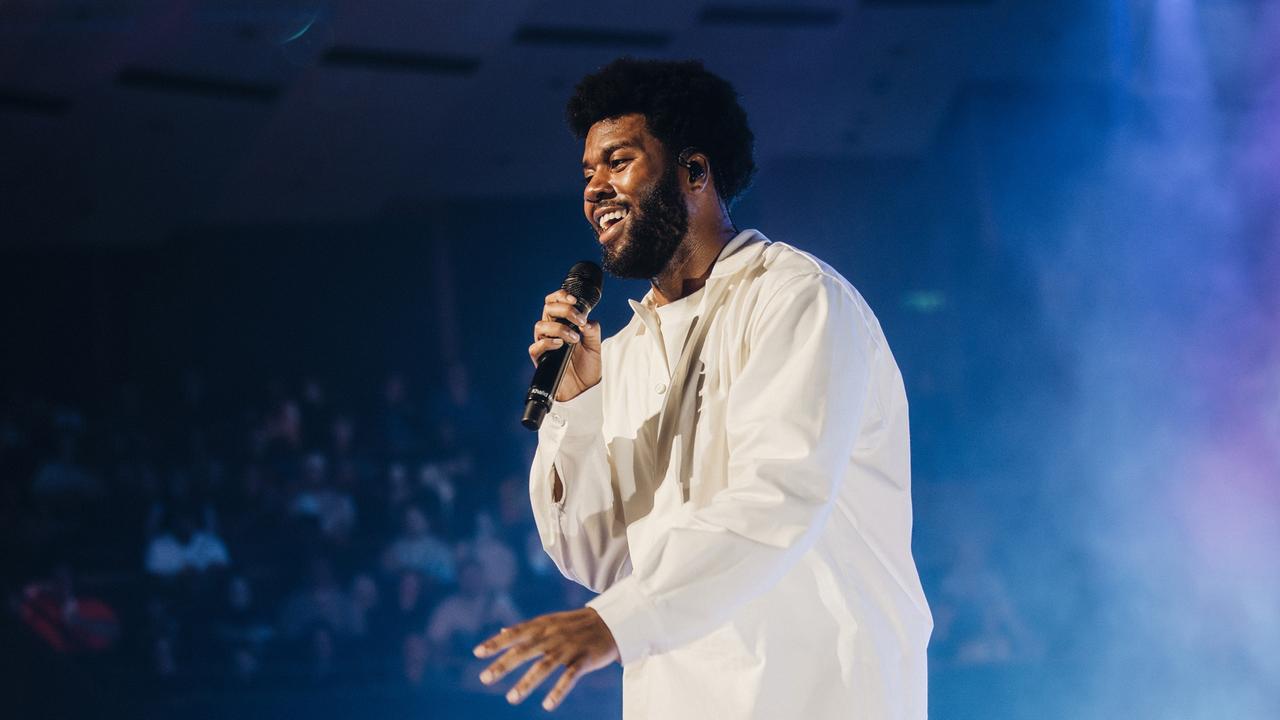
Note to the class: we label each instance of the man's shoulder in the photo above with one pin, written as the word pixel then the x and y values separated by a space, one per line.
pixel 788 279
pixel 783 265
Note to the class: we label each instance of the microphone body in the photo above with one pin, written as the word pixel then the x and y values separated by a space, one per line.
pixel 583 283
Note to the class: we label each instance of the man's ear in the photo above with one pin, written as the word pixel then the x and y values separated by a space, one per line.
pixel 697 164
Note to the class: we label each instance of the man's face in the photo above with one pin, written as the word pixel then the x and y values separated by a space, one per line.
pixel 633 197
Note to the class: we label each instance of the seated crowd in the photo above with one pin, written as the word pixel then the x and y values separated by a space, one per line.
pixel 195 540
pixel 202 543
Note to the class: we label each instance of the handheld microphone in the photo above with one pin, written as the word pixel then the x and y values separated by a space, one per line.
pixel 583 283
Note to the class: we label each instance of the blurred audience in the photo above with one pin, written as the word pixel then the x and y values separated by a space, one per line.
pixel 416 548
pixel 183 546
pixel 466 617
pixel 66 621
pixel 278 538
pixel 286 536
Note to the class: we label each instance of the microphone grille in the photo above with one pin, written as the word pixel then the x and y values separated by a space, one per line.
pixel 583 282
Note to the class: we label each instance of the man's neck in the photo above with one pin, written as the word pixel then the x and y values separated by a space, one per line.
pixel 691 266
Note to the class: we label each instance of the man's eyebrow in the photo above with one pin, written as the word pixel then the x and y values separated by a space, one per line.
pixel 610 148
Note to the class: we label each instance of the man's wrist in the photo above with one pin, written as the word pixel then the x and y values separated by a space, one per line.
pixel 630 618
pixel 607 631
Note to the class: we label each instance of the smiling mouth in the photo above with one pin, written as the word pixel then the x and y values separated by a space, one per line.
pixel 611 226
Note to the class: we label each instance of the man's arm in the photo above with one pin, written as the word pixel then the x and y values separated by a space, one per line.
pixel 792 421
pixel 581 526
pixel 571 483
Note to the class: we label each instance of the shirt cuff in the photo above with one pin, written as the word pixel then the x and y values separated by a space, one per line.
pixel 630 618
pixel 580 417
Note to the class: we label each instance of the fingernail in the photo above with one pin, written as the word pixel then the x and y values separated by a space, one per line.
pixel 557 341
pixel 571 299
pixel 513 696
pixel 486 677
pixel 574 336
pixel 547 704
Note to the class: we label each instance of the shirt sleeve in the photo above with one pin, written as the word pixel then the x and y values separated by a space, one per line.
pixel 584 533
pixel 792 421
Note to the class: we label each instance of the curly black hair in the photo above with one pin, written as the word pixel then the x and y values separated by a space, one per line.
pixel 684 105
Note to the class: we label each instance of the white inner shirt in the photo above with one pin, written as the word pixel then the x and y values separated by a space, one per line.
pixel 674 320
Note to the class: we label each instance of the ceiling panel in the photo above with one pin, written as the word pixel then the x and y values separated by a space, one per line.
pixel 277 110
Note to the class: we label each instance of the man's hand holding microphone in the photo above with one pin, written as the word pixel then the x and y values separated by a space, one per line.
pixel 583 371
pixel 562 328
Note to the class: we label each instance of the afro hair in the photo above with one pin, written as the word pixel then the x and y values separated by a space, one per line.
pixel 684 105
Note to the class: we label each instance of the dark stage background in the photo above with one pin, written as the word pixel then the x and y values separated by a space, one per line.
pixel 268 271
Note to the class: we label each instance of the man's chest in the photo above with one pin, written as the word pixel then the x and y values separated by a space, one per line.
pixel 664 417
pixel 648 376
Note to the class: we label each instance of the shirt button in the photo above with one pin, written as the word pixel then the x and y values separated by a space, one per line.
pixel 555 418
pixel 660 388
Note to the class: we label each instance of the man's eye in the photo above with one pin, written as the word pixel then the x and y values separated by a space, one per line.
pixel 619 161
pixel 586 179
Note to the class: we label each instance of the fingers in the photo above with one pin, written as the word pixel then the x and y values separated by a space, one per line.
pixel 549 334
pixel 537 349
pixel 532 679
pixel 510 660
pixel 579 640
pixel 561 304
pixel 560 296
pixel 505 639
pixel 543 343
pixel 591 334
pixel 567 680
pixel 564 310
pixel 553 329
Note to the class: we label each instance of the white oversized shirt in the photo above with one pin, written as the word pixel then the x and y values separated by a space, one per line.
pixel 745 511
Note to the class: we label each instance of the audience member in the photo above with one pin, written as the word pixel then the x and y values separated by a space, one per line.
pixel 492 554
pixel 182 547
pixel 465 618
pixel 417 549
pixel 320 602
pixel 66 621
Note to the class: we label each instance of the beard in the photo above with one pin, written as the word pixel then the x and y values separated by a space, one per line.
pixel 657 226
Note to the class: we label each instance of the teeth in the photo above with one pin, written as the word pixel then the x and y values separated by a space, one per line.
pixel 610 218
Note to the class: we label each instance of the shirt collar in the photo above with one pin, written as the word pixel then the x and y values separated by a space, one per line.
pixel 734 256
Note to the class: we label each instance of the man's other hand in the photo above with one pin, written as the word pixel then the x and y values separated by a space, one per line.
pixel 578 639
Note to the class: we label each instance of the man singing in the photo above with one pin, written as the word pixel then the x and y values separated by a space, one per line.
pixel 731 471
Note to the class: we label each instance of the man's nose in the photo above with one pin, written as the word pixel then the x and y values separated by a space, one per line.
pixel 597 189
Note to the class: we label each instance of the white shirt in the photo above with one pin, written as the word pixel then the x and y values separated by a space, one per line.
pixel 745 512
pixel 674 320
